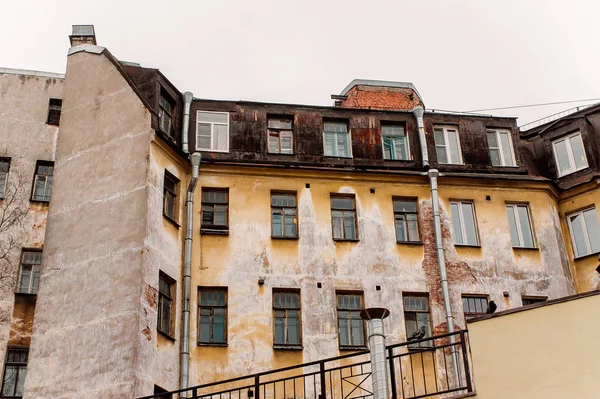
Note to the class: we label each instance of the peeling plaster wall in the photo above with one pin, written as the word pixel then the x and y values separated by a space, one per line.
pixel 25 138
pixel 238 260
pixel 86 330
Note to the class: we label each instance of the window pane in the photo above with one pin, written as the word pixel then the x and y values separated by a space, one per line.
pixel 357 332
pixel 454 146
pixel 401 148
pixel 401 233
pixel 578 235
pixel 343 147
pixel 469 218
pixel 221 215
pixel 495 156
pixel 388 144
pixel 203 136
pixel 458 238
pixel 221 139
pixel 335 127
pixel 10 380
pixel 286 142
pixel 578 152
pixel 279 123
pixel 277 225
pixel 593 229
pixel 491 138
pixel 274 143
pixel 512 223
pixel 293 328
pixel 438 137
pixel 342 203
pixel 218 117
pixel 207 214
pixel 36 280
pixel 330 144
pixel 25 279
pixel 21 381
pixel 507 150
pixel 336 220
pixel 219 328
pixel 205 328
pixel 525 226
pixel 349 226
pixel 405 206
pixel 279 329
pixel 290 226
pixel 344 330
pixel 560 149
pixel 413 230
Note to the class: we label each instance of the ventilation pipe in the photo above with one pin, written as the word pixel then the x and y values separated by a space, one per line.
pixel 379 369
pixel 187 102
pixel 187 273
pixel 433 175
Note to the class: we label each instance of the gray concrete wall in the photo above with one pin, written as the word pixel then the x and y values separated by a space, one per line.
pixel 88 310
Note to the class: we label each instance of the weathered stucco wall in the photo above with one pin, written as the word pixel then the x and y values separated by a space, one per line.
pixel 25 137
pixel 238 260
pixel 584 268
pixel 89 303
pixel 547 352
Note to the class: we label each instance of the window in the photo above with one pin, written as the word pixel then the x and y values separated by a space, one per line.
pixel 463 219
pixel 29 279
pixel 530 300
pixel 406 216
pixel 15 371
pixel 280 136
pixel 474 305
pixel 569 154
pixel 166 304
pixel 501 148
pixel 170 188
pixel 4 167
pixel 215 207
pixel 519 221
pixel 42 183
pixel 343 218
pixel 350 324
pixel 416 315
pixel 447 144
pixel 336 139
pixel 54 108
pixel 395 143
pixel 165 113
pixel 284 215
pixel 212 316
pixel 585 232
pixel 286 318
pixel 213 131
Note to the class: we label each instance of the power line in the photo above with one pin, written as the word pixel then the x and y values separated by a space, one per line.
pixel 533 105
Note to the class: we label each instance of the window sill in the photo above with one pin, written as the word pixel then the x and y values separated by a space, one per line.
pixel 214 232
pixel 173 222
pixel 336 156
pixel 345 240
pixel 288 347
pixel 398 160
pixel 209 150
pixel 353 348
pixel 26 294
pixel 526 248
pixel 410 242
pixel 215 344
pixel 571 172
pixel 467 246
pixel 165 335
pixel 280 153
pixel 285 238
pixel 586 256
pixel 39 201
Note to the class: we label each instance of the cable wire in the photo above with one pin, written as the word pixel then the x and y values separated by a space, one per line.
pixel 532 105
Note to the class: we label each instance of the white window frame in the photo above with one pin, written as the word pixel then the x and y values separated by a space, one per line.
pixel 212 131
pixel 462 223
pixel 393 137
pixel 588 245
pixel 572 163
pixel 445 129
pixel 518 226
pixel 348 134
pixel 500 149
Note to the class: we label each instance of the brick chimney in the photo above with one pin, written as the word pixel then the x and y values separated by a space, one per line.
pixel 82 34
pixel 379 94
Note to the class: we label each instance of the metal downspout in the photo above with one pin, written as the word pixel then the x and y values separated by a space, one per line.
pixel 187 274
pixel 187 101
pixel 379 363
pixel 433 175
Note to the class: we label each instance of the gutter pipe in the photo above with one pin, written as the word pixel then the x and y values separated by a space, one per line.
pixel 187 274
pixel 433 175
pixel 187 102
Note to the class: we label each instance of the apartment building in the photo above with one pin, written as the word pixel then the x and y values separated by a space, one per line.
pixel 135 270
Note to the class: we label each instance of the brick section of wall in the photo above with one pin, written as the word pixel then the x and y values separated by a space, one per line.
pixel 387 98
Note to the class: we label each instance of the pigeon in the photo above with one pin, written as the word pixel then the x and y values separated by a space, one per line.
pixel 419 334
pixel 491 307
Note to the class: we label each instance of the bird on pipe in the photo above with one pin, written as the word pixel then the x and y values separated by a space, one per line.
pixel 419 334
pixel 491 307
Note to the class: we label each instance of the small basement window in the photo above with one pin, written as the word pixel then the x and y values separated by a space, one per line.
pixel 54 109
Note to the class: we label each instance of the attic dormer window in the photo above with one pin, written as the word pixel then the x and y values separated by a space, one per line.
pixel 165 113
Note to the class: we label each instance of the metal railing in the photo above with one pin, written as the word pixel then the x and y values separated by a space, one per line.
pixel 417 369
pixel 553 117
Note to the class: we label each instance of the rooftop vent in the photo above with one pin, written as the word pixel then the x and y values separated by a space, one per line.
pixel 83 34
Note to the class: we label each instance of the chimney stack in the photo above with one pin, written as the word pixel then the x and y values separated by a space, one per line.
pixel 83 34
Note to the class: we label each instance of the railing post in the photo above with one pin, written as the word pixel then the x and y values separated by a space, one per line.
pixel 195 393
pixel 322 375
pixel 463 345
pixel 257 386
pixel 392 373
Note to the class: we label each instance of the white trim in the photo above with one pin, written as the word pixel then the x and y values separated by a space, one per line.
pixel 212 131
pixel 500 149
pixel 586 237
pixel 521 243
pixel 572 164
pixel 461 221
pixel 445 129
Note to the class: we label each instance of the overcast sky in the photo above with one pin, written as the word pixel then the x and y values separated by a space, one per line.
pixel 461 55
